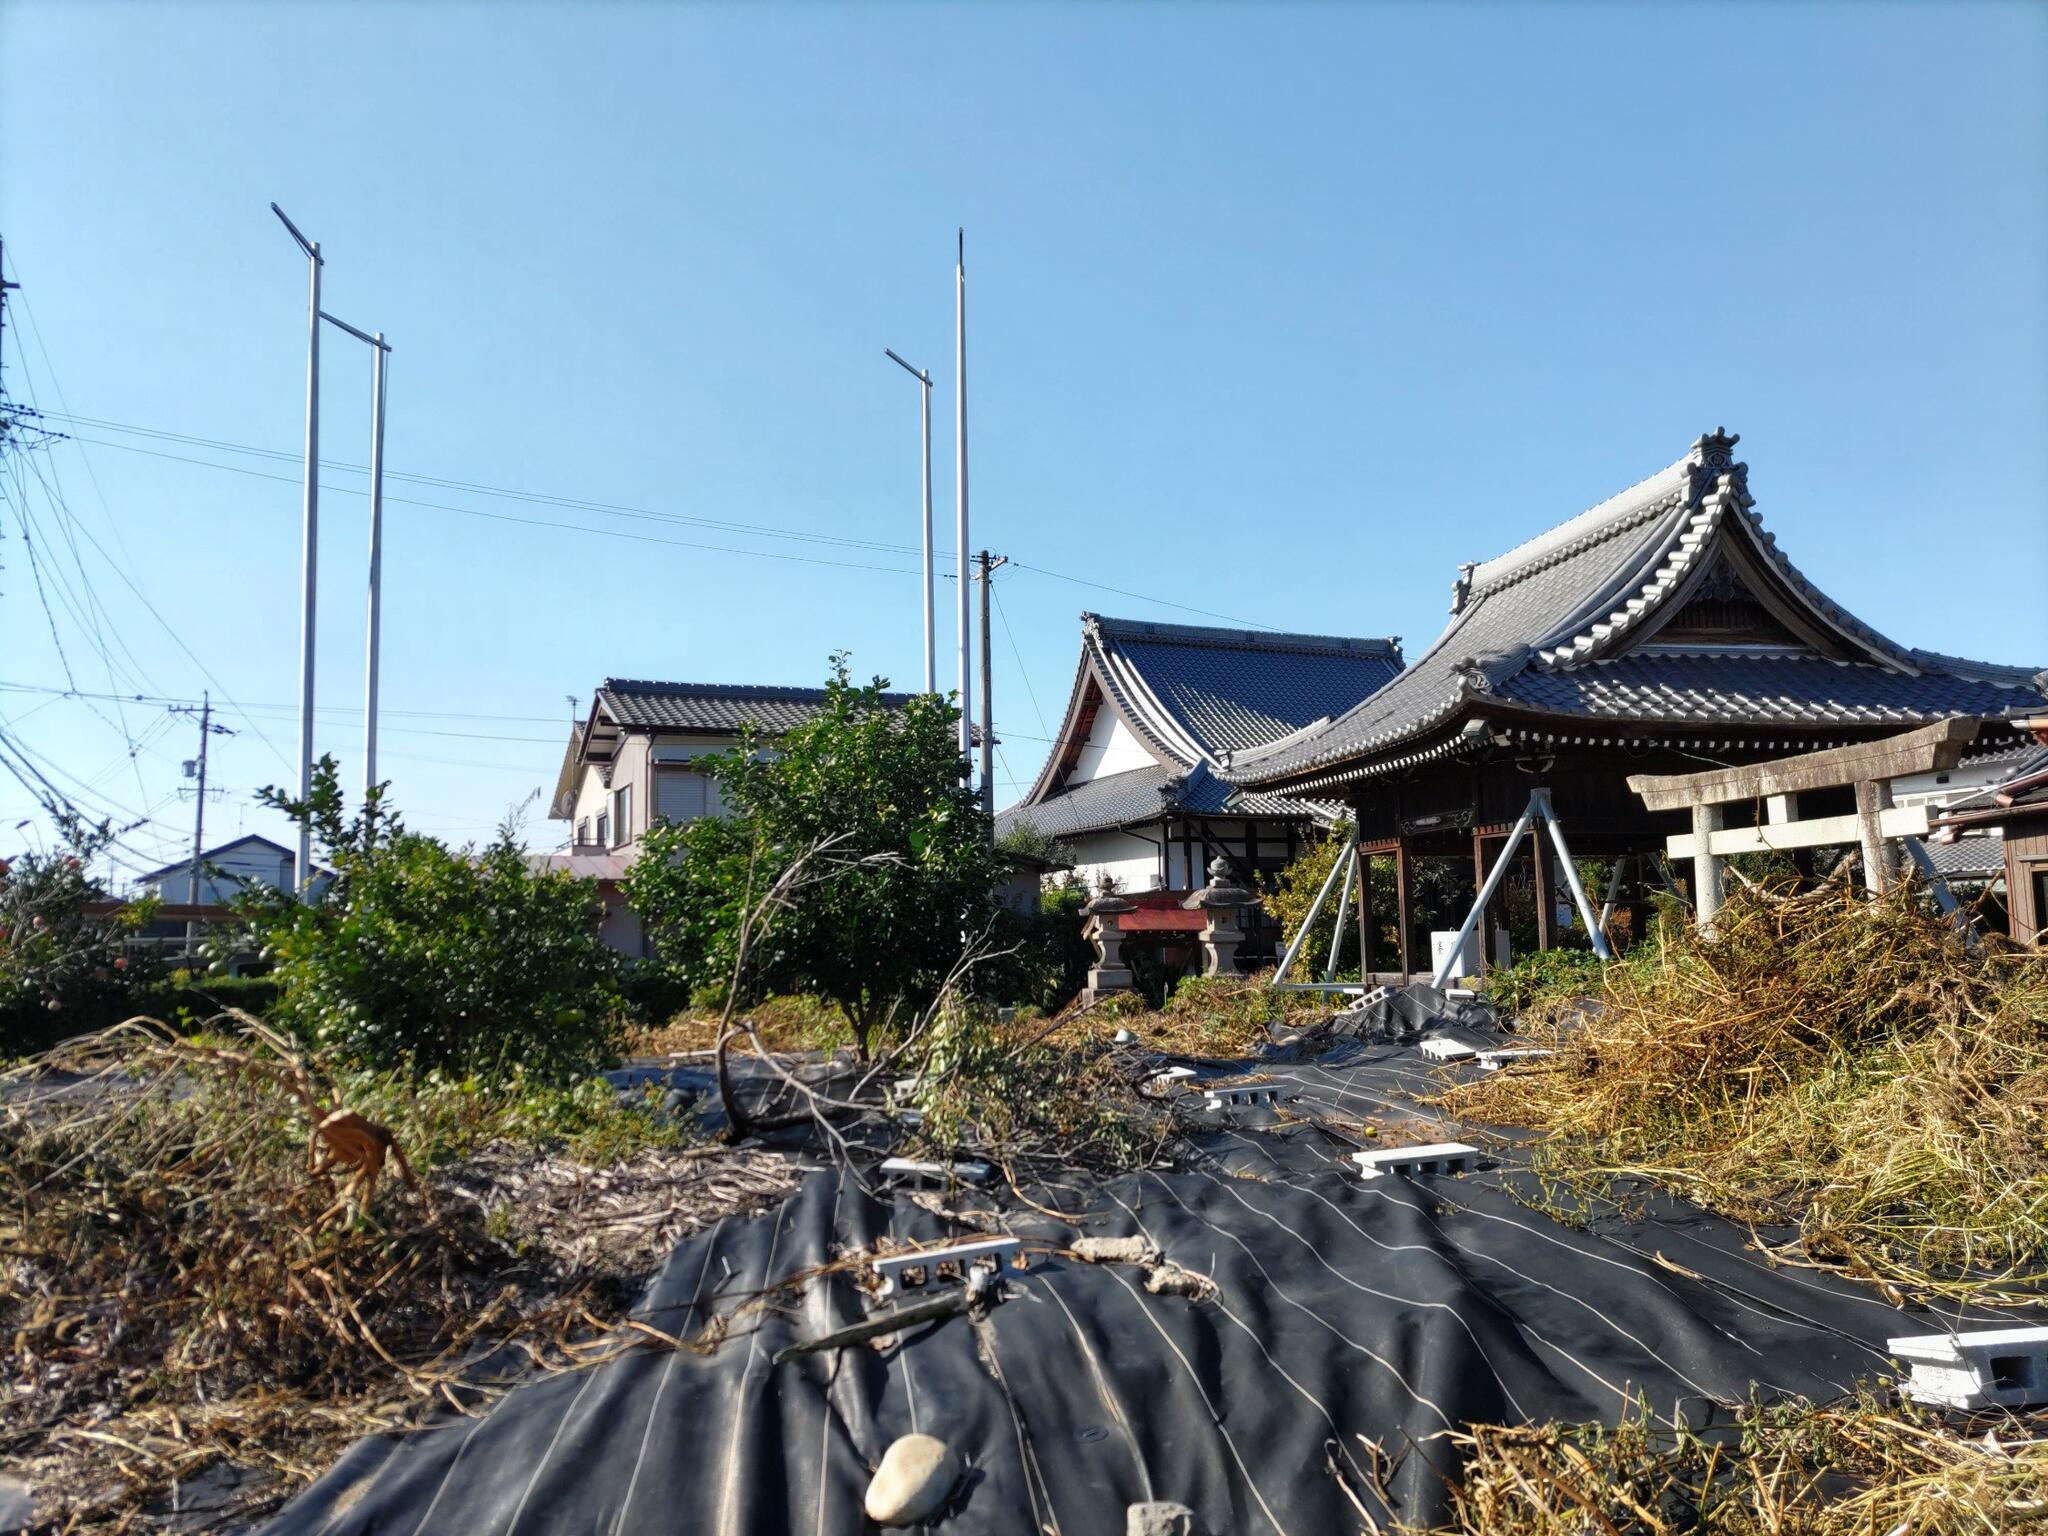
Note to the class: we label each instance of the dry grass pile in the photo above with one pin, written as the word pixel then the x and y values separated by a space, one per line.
pixel 180 1292
pixel 1858 1469
pixel 1839 1063
pixel 790 1024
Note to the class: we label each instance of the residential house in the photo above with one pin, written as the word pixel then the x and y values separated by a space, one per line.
pixel 635 759
pixel 223 873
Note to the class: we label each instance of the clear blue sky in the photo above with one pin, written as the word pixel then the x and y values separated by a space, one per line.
pixel 1277 312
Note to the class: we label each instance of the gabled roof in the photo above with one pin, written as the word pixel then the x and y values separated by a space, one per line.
pixel 1192 695
pixel 714 708
pixel 1666 604
pixel 212 855
pixel 637 705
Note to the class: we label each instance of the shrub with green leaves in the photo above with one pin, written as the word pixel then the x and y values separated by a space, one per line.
pixel 62 968
pixel 900 864
pixel 424 956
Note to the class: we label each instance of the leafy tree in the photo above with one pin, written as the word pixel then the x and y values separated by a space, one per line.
pixel 1441 889
pixel 62 969
pixel 900 864
pixel 426 956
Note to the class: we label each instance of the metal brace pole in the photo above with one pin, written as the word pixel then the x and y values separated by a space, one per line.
pixel 1301 937
pixel 1613 889
pixel 1944 898
pixel 1493 880
pixel 1343 912
pixel 1594 930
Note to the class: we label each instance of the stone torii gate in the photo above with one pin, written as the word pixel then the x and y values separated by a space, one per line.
pixel 1868 767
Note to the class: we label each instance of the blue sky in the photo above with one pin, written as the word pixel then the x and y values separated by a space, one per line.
pixel 1276 312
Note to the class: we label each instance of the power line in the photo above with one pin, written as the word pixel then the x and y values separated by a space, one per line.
pixel 752 530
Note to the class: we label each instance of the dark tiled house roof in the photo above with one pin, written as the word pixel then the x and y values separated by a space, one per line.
pixel 1601 620
pixel 717 708
pixel 1194 694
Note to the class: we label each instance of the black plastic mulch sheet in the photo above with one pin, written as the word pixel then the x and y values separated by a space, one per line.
pixel 1354 1322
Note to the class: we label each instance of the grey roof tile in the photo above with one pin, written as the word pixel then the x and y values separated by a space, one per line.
pixel 1548 624
pixel 1195 693
pixel 720 708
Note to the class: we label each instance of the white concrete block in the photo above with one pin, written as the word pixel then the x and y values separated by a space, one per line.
pixel 1493 1061
pixel 1992 1368
pixel 935 1175
pixel 1444 1048
pixel 1431 1157
pixel 1240 1095
pixel 929 1266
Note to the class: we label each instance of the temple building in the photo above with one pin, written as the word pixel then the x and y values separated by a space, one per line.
pixel 1661 632
pixel 1130 785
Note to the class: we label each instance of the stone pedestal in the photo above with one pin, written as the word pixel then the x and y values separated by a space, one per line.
pixel 1104 930
pixel 1222 903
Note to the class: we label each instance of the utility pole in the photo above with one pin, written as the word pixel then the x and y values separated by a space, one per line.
pixel 309 537
pixel 4 287
pixel 924 379
pixel 207 730
pixel 989 566
pixel 960 497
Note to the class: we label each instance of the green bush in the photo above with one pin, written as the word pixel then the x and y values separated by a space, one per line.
pixel 1440 889
pixel 1048 960
pixel 898 861
pixel 62 969
pixel 1545 979
pixel 424 957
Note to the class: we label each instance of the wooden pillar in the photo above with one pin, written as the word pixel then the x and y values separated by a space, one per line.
pixel 1485 928
pixel 1404 900
pixel 1546 912
pixel 1706 864
pixel 1368 925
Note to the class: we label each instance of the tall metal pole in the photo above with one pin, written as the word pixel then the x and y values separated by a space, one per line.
pixel 924 382
pixel 960 496
pixel 931 660
pixel 309 537
pixel 378 354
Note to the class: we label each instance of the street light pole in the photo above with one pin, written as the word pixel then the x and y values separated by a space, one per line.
pixel 379 355
pixel 924 379
pixel 380 349
pixel 960 496
pixel 309 536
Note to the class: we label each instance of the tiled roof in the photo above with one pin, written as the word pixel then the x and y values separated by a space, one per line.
pixel 1140 796
pixel 1549 626
pixel 1115 800
pixel 1793 689
pixel 1203 692
pixel 1971 858
pixel 711 707
pixel 1195 693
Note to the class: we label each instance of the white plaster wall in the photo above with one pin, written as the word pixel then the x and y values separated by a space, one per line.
pixel 1111 748
pixel 1132 861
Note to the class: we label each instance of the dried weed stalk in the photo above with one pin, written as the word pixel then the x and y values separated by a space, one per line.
pixel 1831 1061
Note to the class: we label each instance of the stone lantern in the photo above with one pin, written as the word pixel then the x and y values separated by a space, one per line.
pixel 1221 901
pixel 1103 928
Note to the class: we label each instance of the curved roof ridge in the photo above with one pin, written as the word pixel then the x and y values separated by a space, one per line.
pixel 1243 639
pixel 1640 503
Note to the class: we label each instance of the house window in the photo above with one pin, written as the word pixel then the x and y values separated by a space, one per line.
pixel 682 795
pixel 604 829
pixel 583 832
pixel 622 817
